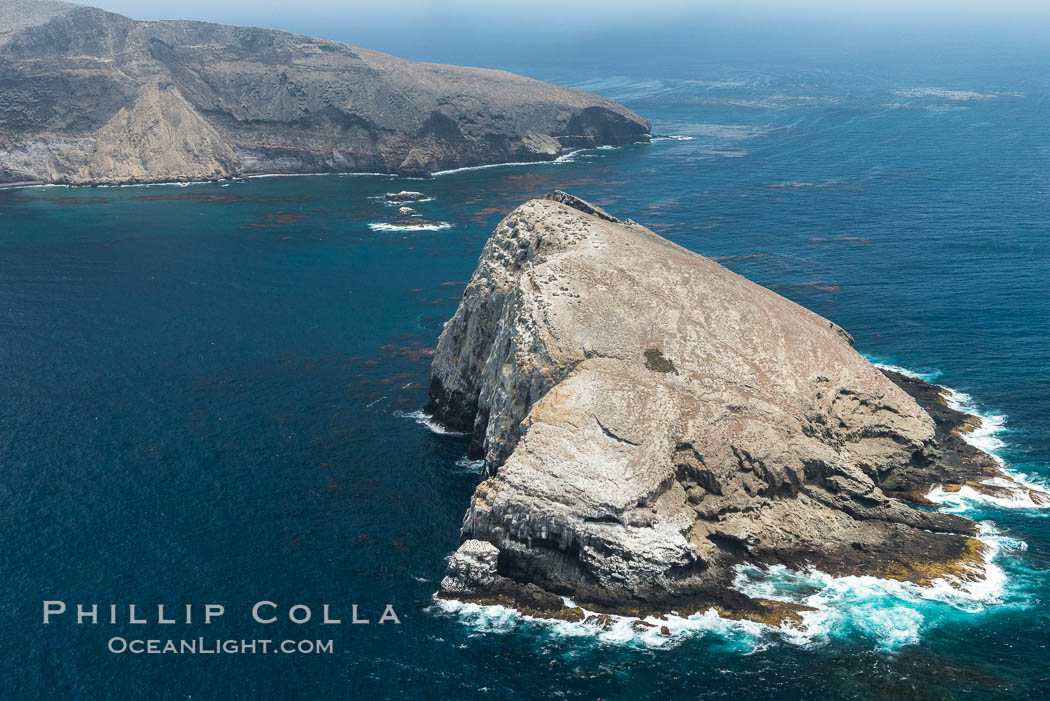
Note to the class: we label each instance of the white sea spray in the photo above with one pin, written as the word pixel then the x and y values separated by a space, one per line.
pixel 650 632
pixel 468 465
pixel 988 437
pixel 568 157
pixel 424 419
pixel 427 226
pixel 890 613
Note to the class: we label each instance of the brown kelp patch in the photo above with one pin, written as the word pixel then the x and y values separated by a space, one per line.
pixel 268 220
pixel 72 201
pixel 822 285
pixel 217 197
pixel 857 240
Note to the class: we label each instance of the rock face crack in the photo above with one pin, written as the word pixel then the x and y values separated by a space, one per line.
pixel 612 435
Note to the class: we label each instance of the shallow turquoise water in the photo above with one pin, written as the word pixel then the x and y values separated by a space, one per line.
pixel 206 389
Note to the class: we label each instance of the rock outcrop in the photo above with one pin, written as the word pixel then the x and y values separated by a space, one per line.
pixel 88 96
pixel 405 196
pixel 649 420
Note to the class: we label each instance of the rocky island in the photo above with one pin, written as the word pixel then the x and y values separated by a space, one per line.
pixel 649 420
pixel 92 97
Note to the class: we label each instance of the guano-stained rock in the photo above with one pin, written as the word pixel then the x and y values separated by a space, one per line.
pixel 649 420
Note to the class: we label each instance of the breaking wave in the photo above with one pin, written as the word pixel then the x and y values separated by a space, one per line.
pixel 987 437
pixel 564 158
pixel 926 376
pixel 468 465
pixel 424 419
pixel 744 636
pixel 427 226
pixel 890 614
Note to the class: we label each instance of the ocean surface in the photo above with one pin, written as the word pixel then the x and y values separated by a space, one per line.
pixel 210 395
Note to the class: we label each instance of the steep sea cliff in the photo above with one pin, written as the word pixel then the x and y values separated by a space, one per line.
pixel 89 97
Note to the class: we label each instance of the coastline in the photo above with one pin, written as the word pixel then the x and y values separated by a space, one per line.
pixel 563 157
pixel 807 607
pixel 969 585
pixel 989 479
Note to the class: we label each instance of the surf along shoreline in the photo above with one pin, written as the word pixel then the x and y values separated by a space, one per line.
pixel 968 585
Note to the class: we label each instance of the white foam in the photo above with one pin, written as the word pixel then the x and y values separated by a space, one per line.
pixel 469 465
pixel 422 226
pixel 885 365
pixel 397 203
pixel 987 437
pixel 888 612
pixel 891 613
pixel 186 183
pixel 672 137
pixel 424 419
pixel 564 158
pixel 623 630
pixel 966 498
pixel 313 175
pixel 174 183
pixel 25 185
pixel 484 619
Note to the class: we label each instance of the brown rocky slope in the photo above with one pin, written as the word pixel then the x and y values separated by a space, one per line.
pixel 88 96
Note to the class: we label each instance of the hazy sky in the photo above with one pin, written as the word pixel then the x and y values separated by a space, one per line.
pixel 501 33
pixel 577 12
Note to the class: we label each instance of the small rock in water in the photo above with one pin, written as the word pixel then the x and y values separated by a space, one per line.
pixel 405 196
pixel 600 620
pixel 407 212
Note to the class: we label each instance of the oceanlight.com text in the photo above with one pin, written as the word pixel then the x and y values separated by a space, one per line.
pixel 214 646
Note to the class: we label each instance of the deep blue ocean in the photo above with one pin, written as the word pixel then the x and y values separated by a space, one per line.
pixel 208 393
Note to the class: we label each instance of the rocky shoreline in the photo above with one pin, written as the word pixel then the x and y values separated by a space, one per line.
pixel 650 421
pixel 962 464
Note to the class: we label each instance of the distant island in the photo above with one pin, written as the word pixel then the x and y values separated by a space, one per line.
pixel 92 97
pixel 650 420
